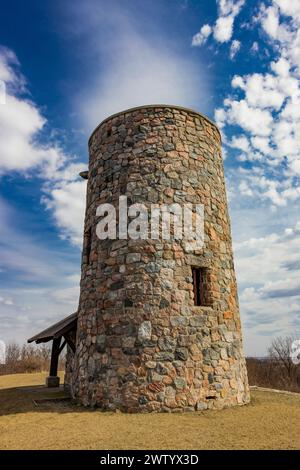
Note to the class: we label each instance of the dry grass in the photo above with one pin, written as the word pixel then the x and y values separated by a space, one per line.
pixel 271 421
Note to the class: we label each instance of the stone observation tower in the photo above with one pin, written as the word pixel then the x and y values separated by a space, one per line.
pixel 158 324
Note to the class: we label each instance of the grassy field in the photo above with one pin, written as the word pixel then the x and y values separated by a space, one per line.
pixel 271 421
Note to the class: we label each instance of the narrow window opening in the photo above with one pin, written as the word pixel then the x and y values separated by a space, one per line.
pixel 200 287
pixel 108 132
pixel 88 245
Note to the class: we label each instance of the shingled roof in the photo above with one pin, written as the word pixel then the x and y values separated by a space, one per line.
pixel 56 330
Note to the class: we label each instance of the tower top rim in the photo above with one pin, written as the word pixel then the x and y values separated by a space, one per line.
pixel 145 106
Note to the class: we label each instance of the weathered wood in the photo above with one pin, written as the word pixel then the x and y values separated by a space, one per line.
pixel 56 330
pixel 70 342
pixel 66 329
pixel 62 346
pixel 54 357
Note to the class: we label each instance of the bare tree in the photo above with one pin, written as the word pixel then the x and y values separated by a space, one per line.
pixel 28 358
pixel 280 354
pixel 13 353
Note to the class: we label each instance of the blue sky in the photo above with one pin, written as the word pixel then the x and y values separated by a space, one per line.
pixel 67 65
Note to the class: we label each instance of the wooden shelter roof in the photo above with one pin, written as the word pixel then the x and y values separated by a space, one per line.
pixel 56 330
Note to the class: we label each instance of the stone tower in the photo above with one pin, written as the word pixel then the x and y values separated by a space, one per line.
pixel 158 325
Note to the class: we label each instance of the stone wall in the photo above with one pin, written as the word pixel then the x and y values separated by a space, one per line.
pixel 69 370
pixel 142 344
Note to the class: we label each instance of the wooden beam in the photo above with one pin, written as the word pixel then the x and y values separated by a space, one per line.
pixel 66 329
pixel 70 342
pixel 62 346
pixel 54 357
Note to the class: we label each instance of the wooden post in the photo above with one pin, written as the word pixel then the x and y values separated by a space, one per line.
pixel 53 379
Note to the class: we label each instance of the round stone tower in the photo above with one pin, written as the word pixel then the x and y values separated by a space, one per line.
pixel 158 323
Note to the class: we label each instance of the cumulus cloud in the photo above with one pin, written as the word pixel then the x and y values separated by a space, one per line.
pixel 289 8
pixel 20 124
pixel 265 106
pixel 66 199
pixel 223 28
pixel 234 48
pixel 25 261
pixel 281 67
pixel 21 150
pixel 240 142
pixel 201 37
pixel 244 188
pixel 270 21
pixel 286 34
pixel 251 119
pixel 263 91
pixel 10 71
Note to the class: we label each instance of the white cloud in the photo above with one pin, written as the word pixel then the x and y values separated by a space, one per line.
pixel 223 27
pixel 20 124
pixel 281 67
pixel 9 70
pixel 6 301
pixel 220 117
pixel 260 120
pixel 251 119
pixel 238 82
pixel 230 7
pixel 266 108
pixel 295 167
pixel 270 21
pixel 262 188
pixel 20 150
pixel 291 112
pixel 244 188
pixel 240 142
pixel 234 48
pixel 284 33
pixel 66 199
pixel 262 91
pixel 262 144
pixel 201 37
pixel 289 8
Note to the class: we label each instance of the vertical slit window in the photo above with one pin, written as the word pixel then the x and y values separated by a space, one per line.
pixel 200 287
pixel 88 245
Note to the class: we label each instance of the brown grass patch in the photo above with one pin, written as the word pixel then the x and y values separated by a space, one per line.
pixel 271 421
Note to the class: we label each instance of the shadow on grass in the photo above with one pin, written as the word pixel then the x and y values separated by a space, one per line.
pixel 37 399
pixel 40 399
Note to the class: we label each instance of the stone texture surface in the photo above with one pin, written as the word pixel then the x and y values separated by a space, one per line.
pixel 141 344
pixel 69 369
